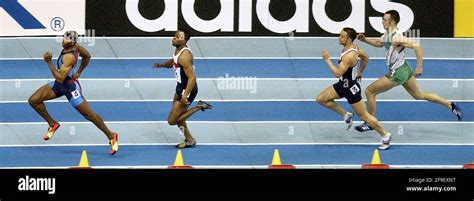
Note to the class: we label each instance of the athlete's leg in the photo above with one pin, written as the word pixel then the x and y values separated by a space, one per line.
pixel 90 115
pixel 178 116
pixel 177 109
pixel 326 98
pixel 187 113
pixel 379 86
pixel 413 88
pixel 184 129
pixel 179 112
pixel 37 102
pixel 182 118
pixel 359 109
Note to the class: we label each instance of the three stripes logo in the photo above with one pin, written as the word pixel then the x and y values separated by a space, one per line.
pixel 20 14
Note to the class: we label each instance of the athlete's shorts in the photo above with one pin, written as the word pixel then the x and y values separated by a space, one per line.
pixel 180 88
pixel 401 74
pixel 349 90
pixel 69 88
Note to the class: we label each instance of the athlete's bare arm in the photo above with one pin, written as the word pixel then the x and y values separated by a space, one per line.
pixel 66 67
pixel 167 64
pixel 343 66
pixel 364 60
pixel 408 43
pixel 186 61
pixel 86 57
pixel 376 42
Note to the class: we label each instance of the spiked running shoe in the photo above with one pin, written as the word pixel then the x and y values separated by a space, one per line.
pixel 386 142
pixel 186 144
pixel 114 144
pixel 348 120
pixel 204 106
pixel 51 131
pixel 363 127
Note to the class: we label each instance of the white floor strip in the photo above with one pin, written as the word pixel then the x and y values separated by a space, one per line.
pixel 308 166
pixel 241 58
pixel 231 100
pixel 239 144
pixel 223 78
pixel 241 122
pixel 167 38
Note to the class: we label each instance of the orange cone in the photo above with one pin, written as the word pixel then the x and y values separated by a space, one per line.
pixel 179 162
pixel 376 163
pixel 84 162
pixel 469 166
pixel 276 162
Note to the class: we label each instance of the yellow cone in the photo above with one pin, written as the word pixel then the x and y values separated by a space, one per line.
pixel 179 159
pixel 276 158
pixel 376 158
pixel 84 162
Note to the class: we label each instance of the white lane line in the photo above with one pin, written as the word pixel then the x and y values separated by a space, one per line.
pixel 302 166
pixel 241 122
pixel 223 78
pixel 227 100
pixel 238 144
pixel 244 58
pixel 214 37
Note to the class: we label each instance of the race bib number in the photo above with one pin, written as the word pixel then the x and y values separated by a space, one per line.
pixel 75 94
pixel 354 89
pixel 177 75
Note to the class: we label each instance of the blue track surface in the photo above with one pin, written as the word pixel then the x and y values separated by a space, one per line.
pixel 147 155
pixel 234 111
pixel 262 68
pixel 140 155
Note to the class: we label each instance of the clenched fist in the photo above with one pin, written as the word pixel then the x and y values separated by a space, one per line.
pixel 47 57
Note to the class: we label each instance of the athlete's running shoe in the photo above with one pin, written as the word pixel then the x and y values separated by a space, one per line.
pixel 51 131
pixel 386 142
pixel 348 120
pixel 457 111
pixel 186 144
pixel 363 127
pixel 204 106
pixel 114 144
